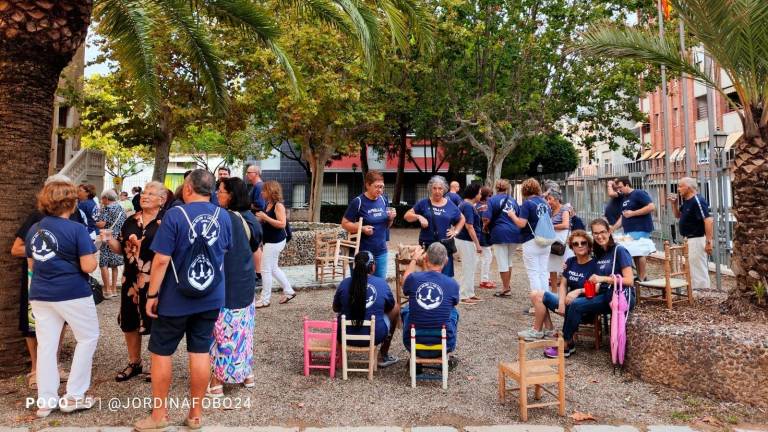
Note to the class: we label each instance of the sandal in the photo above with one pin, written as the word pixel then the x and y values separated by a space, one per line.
pixel 286 299
pixel 124 375
pixel 194 423
pixel 148 424
pixel 467 301
pixel 476 299
pixel 260 305
pixel 505 294
pixel 32 380
pixel 250 381
pixel 214 392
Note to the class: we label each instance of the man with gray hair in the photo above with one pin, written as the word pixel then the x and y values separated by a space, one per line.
pixel 432 298
pixel 696 225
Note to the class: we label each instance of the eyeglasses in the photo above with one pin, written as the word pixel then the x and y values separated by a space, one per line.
pixel 144 193
pixel 597 233
pixel 250 172
pixel 579 244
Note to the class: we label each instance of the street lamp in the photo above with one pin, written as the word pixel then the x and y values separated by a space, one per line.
pixel 721 138
pixel 539 170
pixel 354 177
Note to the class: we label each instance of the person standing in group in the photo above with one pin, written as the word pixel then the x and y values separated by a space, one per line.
pixel 453 193
pixel 487 256
pixel 503 234
pixel 232 351
pixel 468 243
pixel 274 220
pixel 126 203
pixel 613 206
pixel 134 243
pixel 255 185
pixel 377 215
pixel 109 221
pixel 535 256
pixel 86 203
pixel 185 301
pixel 696 225
pixel 561 219
pixel 136 199
pixel 60 254
pixel 439 218
pixel 636 217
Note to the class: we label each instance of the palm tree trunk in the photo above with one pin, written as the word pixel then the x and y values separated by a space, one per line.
pixel 750 193
pixel 27 87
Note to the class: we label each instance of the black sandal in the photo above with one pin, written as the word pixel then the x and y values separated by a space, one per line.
pixel 124 375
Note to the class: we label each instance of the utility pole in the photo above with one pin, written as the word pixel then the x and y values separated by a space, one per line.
pixel 666 217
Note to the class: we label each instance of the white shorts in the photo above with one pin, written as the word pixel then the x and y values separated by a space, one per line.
pixel 504 253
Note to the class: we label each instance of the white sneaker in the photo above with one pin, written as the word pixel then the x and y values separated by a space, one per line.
pixel 531 335
pixel 71 404
pixel 550 333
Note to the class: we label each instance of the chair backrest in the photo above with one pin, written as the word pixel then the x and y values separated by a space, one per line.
pixel 311 328
pixel 525 363
pixel 325 242
pixel 370 337
pixel 428 332
pixel 357 236
pixel 675 260
pixel 402 260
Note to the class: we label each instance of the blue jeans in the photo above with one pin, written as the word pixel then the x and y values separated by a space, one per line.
pixel 381 265
pixel 637 235
pixel 551 301
pixel 582 306
pixel 448 267
pixel 451 328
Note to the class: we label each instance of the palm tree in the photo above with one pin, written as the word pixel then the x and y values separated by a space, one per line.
pixel 38 38
pixel 734 34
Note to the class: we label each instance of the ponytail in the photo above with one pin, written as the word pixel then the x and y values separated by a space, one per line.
pixel 359 290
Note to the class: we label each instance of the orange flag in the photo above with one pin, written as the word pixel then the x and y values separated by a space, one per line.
pixel 667 8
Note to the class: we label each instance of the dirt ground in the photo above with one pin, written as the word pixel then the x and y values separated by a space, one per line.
pixel 283 396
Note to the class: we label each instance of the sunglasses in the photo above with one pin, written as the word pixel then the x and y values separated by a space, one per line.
pixel 579 244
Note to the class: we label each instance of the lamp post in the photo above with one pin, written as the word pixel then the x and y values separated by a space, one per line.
pixel 717 202
pixel 354 177
pixel 539 170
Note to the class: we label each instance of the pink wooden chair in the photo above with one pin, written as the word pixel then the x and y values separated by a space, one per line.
pixel 320 342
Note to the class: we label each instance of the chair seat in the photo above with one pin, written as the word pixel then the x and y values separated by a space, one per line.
pixel 319 345
pixel 662 283
pixel 531 371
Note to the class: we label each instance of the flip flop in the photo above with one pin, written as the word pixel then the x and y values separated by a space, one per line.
pixel 215 392
pixel 476 299
pixel 504 294
pixel 260 305
pixel 287 299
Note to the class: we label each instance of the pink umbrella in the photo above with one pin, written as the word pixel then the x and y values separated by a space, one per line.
pixel 619 315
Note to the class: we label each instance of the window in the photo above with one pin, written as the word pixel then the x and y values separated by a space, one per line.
pixel 335 193
pixel 646 128
pixel 421 191
pixel 734 100
pixel 298 198
pixel 702 151
pixel 701 108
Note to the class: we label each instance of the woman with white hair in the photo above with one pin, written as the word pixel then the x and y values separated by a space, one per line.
pixel 439 218
pixel 561 219
pixel 110 221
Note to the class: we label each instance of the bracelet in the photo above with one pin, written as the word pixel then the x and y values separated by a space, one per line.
pixel 151 296
pixel 30 273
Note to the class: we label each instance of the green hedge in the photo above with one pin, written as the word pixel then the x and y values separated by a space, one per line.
pixel 334 213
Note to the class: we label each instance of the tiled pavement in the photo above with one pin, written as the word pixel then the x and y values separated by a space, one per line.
pixel 302 277
pixel 496 428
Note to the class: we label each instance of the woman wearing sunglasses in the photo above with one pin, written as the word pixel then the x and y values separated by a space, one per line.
pixel 577 270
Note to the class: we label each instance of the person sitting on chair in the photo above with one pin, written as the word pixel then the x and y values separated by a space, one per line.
pixel 432 300
pixel 362 295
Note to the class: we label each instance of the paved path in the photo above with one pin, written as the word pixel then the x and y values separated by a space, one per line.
pixel 496 428
pixel 302 277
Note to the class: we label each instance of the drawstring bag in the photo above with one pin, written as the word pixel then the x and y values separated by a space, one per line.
pixel 201 274
pixel 544 233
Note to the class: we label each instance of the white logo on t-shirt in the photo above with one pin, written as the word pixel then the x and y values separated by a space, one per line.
pixel 211 231
pixel 44 249
pixel 370 296
pixel 200 273
pixel 429 295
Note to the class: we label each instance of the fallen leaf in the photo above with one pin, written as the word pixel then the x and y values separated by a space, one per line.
pixel 711 420
pixel 579 416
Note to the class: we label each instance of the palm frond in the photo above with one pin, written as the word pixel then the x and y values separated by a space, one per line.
pixel 244 15
pixel 198 49
pixel 127 25
pixel 284 60
pixel 421 23
pixel 366 27
pixel 326 12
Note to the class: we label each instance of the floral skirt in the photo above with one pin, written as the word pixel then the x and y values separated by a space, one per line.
pixel 232 349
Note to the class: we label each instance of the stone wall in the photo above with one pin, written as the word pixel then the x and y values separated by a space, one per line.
pixel 301 249
pixel 725 361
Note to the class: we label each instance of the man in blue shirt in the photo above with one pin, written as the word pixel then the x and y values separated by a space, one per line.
pixel 613 206
pixel 636 217
pixel 176 314
pixel 432 298
pixel 255 185
pixel 453 193
pixel 696 225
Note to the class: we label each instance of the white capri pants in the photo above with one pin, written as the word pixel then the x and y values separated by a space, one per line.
pixel 697 256
pixel 536 260
pixel 270 270
pixel 504 253
pixel 468 267
pixel 50 317
pixel 485 264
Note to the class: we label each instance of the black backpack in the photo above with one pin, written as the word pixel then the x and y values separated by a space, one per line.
pixel 200 271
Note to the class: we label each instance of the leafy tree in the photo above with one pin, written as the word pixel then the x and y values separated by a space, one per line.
pixel 555 154
pixel 733 33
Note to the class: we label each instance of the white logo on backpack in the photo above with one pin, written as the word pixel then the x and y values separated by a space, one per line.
pixel 200 274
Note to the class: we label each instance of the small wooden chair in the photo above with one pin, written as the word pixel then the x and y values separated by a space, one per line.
pixel 534 373
pixel 428 361
pixel 402 260
pixel 370 349
pixel 327 263
pixel 320 342
pixel 677 275
pixel 350 246
pixel 591 329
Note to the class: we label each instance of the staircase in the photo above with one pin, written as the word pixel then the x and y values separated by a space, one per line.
pixel 86 166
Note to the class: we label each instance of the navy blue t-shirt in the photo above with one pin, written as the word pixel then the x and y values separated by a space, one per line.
pixel 472 221
pixel 378 301
pixel 374 213
pixel 57 275
pixel 91 210
pixel 175 238
pixel 636 200
pixel 257 200
pixel 270 233
pixel 431 298
pixel 576 274
pixel 502 229
pixel 454 198
pixel 605 262
pixel 692 215
pixel 531 209
pixel 238 262
pixel 613 209
pixel 440 219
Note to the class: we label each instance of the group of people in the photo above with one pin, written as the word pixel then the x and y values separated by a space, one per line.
pixel 194 258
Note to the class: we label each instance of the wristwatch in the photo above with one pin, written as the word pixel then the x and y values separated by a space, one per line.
pixel 151 296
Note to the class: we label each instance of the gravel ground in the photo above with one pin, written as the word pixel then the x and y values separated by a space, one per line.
pixel 283 396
